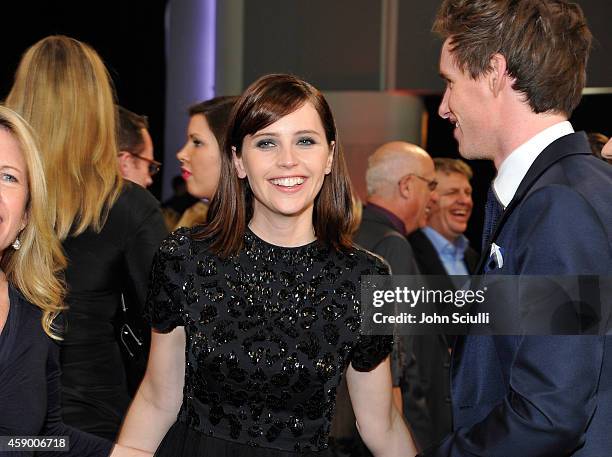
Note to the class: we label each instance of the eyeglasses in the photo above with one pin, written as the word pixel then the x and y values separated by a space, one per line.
pixel 431 183
pixel 154 165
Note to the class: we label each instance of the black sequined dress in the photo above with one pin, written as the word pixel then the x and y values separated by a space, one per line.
pixel 269 334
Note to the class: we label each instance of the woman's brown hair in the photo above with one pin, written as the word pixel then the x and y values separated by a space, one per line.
pixel 264 102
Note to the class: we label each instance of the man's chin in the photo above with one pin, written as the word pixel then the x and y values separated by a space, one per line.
pixel 473 154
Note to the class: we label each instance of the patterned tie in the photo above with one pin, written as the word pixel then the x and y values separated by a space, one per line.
pixel 493 211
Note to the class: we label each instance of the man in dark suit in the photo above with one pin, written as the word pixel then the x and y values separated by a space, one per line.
pixel 135 157
pixel 440 247
pixel 441 250
pixel 400 179
pixel 515 72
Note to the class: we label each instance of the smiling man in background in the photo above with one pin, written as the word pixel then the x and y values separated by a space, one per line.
pixel 440 249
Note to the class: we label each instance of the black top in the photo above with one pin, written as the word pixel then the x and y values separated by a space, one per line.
pixel 30 384
pixel 269 334
pixel 101 268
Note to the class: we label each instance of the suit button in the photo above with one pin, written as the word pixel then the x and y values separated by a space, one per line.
pixel 447 399
pixel 447 365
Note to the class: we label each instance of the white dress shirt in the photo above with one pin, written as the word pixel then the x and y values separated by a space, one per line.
pixel 514 168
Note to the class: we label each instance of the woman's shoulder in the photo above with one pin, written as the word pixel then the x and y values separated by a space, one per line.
pixel 183 243
pixel 26 308
pixel 367 262
pixel 26 314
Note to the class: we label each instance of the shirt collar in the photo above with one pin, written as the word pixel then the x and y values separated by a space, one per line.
pixel 443 246
pixel 397 223
pixel 514 168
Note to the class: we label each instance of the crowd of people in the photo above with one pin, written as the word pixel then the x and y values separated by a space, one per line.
pixel 226 321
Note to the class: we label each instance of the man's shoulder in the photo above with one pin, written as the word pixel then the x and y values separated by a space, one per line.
pixel 135 201
pixel 419 241
pixel 374 228
pixel 372 234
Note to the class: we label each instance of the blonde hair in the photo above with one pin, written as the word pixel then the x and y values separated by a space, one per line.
pixel 63 90
pixel 35 269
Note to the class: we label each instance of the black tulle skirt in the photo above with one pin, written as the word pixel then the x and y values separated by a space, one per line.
pixel 182 441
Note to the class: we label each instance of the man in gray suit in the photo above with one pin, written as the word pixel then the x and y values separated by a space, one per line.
pixel 400 182
pixel 400 179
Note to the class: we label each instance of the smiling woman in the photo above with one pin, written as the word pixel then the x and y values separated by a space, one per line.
pixel 294 110
pixel 31 298
pixel 256 315
pixel 285 165
pixel 14 191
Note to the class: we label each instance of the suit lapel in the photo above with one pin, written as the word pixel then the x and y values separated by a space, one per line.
pixel 568 145
pixel 426 253
pixel 428 258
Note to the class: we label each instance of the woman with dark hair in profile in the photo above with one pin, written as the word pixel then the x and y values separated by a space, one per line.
pixel 31 300
pixel 256 315
pixel 110 229
pixel 200 158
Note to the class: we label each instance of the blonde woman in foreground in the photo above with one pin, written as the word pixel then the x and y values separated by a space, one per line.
pixel 31 300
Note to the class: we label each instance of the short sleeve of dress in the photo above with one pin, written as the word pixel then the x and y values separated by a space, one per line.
pixel 370 350
pixel 164 308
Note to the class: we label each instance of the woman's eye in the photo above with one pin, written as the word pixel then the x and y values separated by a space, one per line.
pixel 306 141
pixel 196 142
pixel 265 144
pixel 9 178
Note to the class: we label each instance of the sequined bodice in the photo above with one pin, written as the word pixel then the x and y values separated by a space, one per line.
pixel 269 333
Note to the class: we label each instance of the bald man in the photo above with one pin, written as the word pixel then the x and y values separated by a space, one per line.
pixel 400 181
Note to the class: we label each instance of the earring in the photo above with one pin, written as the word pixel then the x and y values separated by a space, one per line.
pixel 16 244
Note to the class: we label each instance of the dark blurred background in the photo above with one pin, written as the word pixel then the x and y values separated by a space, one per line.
pixel 128 35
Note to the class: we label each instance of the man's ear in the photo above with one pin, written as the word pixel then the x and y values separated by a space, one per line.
pixel 404 186
pixel 124 158
pixel 498 76
pixel 238 164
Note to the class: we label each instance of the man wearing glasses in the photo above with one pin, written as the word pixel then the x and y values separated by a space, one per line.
pixel 400 181
pixel 135 157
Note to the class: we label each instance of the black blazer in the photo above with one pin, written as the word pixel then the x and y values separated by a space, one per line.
pixel 427 258
pixel 376 233
pixel 431 352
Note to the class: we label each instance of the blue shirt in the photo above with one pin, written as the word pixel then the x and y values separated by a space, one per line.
pixel 451 254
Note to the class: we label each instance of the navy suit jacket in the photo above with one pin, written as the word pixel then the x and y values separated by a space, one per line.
pixel 542 396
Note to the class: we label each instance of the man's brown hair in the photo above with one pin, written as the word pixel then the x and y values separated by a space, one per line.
pixel 129 130
pixel 546 45
pixel 447 165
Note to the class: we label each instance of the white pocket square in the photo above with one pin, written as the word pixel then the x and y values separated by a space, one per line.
pixel 496 253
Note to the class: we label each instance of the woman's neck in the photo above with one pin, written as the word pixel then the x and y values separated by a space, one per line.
pixel 284 231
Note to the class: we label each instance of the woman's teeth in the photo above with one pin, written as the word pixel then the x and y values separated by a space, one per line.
pixel 287 182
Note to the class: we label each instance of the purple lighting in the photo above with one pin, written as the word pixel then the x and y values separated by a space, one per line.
pixel 209 40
